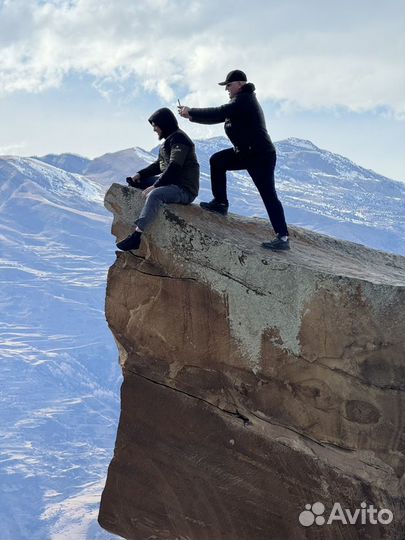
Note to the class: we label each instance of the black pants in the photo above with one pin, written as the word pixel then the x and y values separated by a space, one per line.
pixel 261 169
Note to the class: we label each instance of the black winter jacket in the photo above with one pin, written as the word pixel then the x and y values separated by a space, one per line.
pixel 177 162
pixel 244 121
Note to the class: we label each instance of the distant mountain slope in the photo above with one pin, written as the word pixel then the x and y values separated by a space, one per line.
pixel 67 162
pixel 328 193
pixel 107 168
pixel 115 167
pixel 59 375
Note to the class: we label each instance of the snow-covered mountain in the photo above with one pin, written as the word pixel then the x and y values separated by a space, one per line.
pixel 67 162
pixel 59 374
pixel 328 193
pixel 107 168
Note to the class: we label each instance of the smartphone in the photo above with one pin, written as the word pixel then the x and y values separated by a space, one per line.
pixel 178 101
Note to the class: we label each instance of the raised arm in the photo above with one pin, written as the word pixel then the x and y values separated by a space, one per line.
pixel 209 115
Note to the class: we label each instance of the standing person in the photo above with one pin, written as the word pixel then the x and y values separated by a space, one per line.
pixel 178 170
pixel 252 150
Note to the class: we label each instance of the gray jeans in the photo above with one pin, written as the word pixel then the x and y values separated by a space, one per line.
pixel 163 194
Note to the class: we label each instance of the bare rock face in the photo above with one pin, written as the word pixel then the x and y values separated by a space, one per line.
pixel 255 383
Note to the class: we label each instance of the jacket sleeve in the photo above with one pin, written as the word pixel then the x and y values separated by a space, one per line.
pixel 213 115
pixel 151 170
pixel 178 155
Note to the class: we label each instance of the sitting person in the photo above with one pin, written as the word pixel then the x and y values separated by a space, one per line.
pixel 178 170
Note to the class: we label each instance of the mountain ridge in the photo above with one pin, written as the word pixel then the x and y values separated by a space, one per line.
pixel 53 159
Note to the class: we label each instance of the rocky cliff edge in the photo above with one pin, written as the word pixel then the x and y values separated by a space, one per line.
pixel 255 383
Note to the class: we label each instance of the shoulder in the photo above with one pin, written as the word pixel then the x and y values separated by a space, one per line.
pixel 180 138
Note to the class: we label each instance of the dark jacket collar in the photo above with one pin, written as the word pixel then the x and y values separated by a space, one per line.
pixel 248 88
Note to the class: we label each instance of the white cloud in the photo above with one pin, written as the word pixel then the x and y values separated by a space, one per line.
pixel 305 55
pixel 10 149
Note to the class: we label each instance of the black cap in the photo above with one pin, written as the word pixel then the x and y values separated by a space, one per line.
pixel 235 75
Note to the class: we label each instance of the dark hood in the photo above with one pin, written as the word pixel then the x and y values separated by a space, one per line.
pixel 165 119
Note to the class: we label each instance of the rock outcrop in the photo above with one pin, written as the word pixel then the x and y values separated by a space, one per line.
pixel 255 383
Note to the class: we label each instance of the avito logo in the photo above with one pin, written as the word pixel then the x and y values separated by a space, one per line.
pixel 313 513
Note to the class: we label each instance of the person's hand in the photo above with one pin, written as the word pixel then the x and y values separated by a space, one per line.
pixel 184 111
pixel 148 190
pixel 133 181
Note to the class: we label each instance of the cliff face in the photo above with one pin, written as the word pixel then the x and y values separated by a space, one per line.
pixel 254 382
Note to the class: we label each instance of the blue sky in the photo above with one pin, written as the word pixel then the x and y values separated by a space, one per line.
pixel 83 76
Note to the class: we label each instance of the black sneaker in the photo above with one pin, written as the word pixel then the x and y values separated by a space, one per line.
pixel 215 206
pixel 277 244
pixel 130 242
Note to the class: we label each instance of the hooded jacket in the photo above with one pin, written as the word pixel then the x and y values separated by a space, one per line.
pixel 244 120
pixel 177 162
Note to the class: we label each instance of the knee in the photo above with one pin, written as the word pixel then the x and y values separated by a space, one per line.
pixel 154 195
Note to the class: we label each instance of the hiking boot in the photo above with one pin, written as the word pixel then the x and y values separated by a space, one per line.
pixel 130 242
pixel 215 206
pixel 277 244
